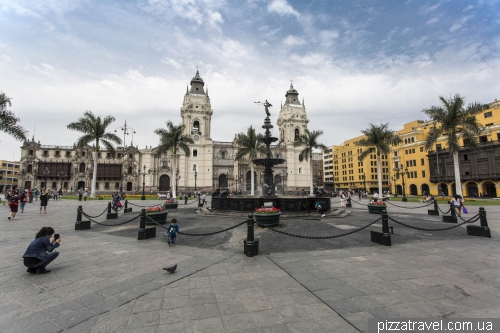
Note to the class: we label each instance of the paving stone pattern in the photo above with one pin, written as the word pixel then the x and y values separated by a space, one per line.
pixel 105 280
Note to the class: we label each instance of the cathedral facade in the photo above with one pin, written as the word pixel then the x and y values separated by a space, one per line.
pixel 210 165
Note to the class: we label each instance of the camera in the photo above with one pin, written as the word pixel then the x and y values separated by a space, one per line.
pixel 57 236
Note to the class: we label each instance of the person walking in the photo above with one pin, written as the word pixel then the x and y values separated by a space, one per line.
pixel 342 199
pixel 116 201
pixel 30 195
pixel 36 193
pixel 85 195
pixel 204 198
pixel 80 194
pixel 41 252
pixel 44 199
pixel 375 197
pixel 457 203
pixel 13 205
pixel 23 199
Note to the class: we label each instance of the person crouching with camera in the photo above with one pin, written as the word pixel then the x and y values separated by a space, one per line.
pixel 41 252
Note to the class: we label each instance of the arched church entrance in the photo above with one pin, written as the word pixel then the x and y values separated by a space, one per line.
pixel 249 180
pixel 164 183
pixel 223 181
pixel 81 184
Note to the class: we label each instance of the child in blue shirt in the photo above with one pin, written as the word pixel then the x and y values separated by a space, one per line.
pixel 173 230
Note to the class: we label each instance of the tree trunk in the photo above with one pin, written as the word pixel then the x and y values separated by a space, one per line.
pixel 252 180
pixel 94 175
pixel 311 189
pixel 379 176
pixel 174 178
pixel 458 182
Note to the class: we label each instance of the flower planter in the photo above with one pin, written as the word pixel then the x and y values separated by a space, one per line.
pixel 376 209
pixel 269 220
pixel 170 206
pixel 160 218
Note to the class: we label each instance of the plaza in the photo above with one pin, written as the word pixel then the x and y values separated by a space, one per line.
pixel 105 280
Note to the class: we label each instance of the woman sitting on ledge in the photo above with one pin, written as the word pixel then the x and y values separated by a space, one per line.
pixel 41 252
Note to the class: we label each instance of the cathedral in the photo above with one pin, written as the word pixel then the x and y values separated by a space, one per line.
pixel 210 165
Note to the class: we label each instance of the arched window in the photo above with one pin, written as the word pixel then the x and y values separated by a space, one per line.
pixel 412 139
pixel 297 133
pixel 30 168
pixel 406 141
pixel 164 164
pixel 196 126
pixel 82 167
pixel 195 167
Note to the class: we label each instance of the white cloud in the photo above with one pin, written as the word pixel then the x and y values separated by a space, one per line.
pixel 327 37
pixel 293 41
pixel 6 58
pixel 469 7
pixel 427 9
pixel 432 21
pixel 405 31
pixel 172 62
pixel 47 66
pixel 457 25
pixel 281 7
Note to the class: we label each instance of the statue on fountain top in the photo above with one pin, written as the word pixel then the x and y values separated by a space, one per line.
pixel 267 105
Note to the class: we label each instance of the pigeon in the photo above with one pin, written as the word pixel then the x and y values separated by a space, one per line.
pixel 170 269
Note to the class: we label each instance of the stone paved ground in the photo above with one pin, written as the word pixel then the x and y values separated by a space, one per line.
pixel 105 280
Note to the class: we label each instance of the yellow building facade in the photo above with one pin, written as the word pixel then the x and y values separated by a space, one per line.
pixel 410 169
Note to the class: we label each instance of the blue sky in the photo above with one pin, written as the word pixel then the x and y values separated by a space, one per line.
pixel 354 62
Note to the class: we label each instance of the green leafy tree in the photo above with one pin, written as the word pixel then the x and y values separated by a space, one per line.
pixel 9 121
pixel 173 139
pixel 378 139
pixel 94 132
pixel 453 120
pixel 249 145
pixel 309 140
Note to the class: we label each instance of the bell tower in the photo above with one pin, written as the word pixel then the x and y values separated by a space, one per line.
pixel 292 122
pixel 195 170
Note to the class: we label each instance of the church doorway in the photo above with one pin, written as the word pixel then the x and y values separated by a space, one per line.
pixel 129 186
pixel 81 184
pixel 164 183
pixel 27 184
pixel 223 181
pixel 249 180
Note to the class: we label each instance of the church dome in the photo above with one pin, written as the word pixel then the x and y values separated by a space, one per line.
pixel 197 78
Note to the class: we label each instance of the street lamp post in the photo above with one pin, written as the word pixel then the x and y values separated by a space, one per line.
pixel 195 176
pixel 364 181
pixel 437 171
pixel 62 175
pixel 126 131
pixel 46 173
pixel 402 173
pixel 143 181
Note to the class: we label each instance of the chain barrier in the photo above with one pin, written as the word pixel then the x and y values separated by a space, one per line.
pixel 137 205
pixel 449 210
pixel 205 234
pixel 320 237
pixel 471 220
pixel 430 203
pixel 359 203
pixel 105 210
pixel 110 225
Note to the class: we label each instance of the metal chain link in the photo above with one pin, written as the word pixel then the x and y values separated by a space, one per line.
pixel 431 203
pixel 110 225
pixel 96 215
pixel 476 217
pixel 359 203
pixel 205 234
pixel 319 237
pixel 449 210
pixel 136 205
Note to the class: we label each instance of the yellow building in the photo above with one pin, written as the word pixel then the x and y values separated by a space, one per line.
pixel 9 174
pixel 422 170
pixel 344 170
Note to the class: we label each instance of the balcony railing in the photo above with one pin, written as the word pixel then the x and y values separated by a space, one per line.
pixel 195 131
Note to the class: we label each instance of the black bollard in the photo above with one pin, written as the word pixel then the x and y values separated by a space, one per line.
pixel 126 209
pixel 145 233
pixel 434 211
pixel 109 215
pixel 483 230
pixel 451 218
pixel 199 201
pixel 384 237
pixel 250 244
pixel 79 224
pixel 349 204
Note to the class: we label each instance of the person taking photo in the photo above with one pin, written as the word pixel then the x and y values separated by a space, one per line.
pixel 41 252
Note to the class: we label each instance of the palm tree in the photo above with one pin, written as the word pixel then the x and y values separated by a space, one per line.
pixel 173 139
pixel 94 130
pixel 248 144
pixel 454 121
pixel 310 141
pixel 379 139
pixel 8 120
